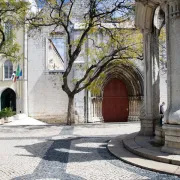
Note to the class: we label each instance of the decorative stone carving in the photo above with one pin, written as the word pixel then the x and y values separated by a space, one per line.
pixel 173 63
pixel 142 111
pixel 172 129
pixel 150 110
pixel 144 14
pixel 159 18
pixel 134 108
pixel 96 108
pixel 174 8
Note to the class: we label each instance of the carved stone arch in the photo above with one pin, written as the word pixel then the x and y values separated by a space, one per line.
pixel 123 76
pixel 159 18
pixel 131 76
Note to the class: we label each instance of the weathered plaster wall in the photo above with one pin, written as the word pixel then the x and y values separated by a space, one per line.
pixel 46 99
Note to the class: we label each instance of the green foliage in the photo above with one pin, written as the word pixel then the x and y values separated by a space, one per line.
pixel 95 86
pixel 102 38
pixel 12 13
pixel 11 49
pixel 7 112
pixel 162 45
pixel 102 42
pixel 129 41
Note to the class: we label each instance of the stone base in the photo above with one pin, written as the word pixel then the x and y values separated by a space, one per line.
pixel 146 127
pixel 133 118
pixel 172 139
pixel 159 135
pixel 95 119
pixel 53 121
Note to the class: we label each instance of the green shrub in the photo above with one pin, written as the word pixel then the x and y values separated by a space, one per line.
pixel 6 112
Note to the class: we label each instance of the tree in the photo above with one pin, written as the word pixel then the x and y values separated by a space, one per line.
pixel 108 18
pixel 12 16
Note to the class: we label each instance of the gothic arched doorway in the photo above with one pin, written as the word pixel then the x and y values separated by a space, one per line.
pixel 115 102
pixel 8 99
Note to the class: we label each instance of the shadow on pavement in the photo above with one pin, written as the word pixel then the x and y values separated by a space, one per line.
pixel 60 152
pixel 56 157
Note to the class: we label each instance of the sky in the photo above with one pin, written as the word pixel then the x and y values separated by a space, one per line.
pixel 41 3
pixel 59 43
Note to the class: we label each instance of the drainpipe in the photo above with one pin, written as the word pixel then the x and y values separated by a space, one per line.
pixel 25 74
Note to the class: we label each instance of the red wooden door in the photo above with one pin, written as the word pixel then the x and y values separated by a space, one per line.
pixel 115 102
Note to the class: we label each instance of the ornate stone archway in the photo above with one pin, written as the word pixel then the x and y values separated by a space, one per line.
pixel 145 20
pixel 133 80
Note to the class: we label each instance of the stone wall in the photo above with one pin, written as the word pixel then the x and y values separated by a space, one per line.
pixel 46 99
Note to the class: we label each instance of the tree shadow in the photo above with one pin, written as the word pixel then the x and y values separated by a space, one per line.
pixel 58 153
pixel 56 157
pixel 60 149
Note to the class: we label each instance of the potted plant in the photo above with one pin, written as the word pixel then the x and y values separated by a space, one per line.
pixel 5 114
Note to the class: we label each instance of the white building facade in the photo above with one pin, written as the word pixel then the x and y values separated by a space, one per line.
pixel 38 93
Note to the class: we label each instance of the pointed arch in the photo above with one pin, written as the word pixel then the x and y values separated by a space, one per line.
pixel 8 99
pixel 132 78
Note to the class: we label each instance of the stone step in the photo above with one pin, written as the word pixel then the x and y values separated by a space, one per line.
pixel 19 116
pixel 141 146
pixel 12 118
pixel 116 147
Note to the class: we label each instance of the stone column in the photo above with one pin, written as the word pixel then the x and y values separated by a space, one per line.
pixel 150 110
pixel 172 116
pixel 134 107
pixel 130 109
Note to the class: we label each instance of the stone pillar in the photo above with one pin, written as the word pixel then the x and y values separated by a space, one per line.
pixel 130 109
pixel 172 116
pixel 150 110
pixel 96 109
pixel 134 108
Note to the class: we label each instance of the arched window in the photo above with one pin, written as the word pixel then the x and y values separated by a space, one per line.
pixel 8 69
pixel 8 99
pixel 8 30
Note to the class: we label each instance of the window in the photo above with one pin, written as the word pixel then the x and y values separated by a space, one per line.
pixel 8 30
pixel 8 69
pixel 56 54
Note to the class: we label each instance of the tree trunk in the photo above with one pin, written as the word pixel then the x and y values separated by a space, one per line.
pixel 70 114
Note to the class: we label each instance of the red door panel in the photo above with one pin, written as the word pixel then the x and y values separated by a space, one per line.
pixel 115 102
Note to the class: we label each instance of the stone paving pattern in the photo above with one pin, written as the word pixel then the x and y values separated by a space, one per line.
pixel 63 152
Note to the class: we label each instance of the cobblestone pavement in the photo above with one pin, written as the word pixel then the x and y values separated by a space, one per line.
pixel 63 152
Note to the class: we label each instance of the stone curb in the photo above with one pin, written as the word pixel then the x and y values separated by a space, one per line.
pixel 133 145
pixel 115 146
